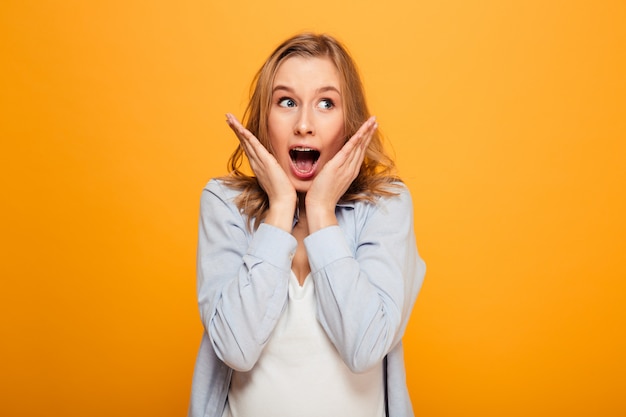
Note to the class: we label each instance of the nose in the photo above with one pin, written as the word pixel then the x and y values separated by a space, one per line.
pixel 304 123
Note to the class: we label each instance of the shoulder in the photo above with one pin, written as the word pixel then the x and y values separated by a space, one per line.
pixel 218 197
pixel 386 213
pixel 400 190
pixel 218 188
pixel 400 200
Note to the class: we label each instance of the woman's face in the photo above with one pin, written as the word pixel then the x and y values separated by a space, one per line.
pixel 306 122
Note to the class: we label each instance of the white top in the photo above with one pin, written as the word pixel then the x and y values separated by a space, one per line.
pixel 300 373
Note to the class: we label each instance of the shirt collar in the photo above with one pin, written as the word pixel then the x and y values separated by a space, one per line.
pixel 342 204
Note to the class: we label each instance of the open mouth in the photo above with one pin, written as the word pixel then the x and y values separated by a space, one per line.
pixel 304 159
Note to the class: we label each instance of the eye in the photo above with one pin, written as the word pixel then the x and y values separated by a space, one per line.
pixel 286 102
pixel 326 104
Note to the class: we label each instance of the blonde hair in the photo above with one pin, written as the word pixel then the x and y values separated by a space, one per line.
pixel 376 177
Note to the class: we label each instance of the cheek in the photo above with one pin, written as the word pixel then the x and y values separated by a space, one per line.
pixel 271 129
pixel 278 146
pixel 274 131
pixel 278 129
pixel 338 136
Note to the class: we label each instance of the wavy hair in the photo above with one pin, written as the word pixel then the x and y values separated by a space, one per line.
pixel 376 177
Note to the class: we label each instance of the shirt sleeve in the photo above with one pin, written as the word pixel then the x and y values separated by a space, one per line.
pixel 365 296
pixel 242 279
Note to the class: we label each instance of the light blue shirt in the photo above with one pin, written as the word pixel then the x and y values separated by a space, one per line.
pixel 367 273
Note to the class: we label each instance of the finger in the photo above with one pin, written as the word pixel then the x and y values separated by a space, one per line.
pixel 356 157
pixel 246 138
pixel 358 143
pixel 356 140
pixel 362 138
pixel 370 134
pixel 236 126
pixel 365 128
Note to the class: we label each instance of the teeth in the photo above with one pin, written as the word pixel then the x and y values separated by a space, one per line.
pixel 299 149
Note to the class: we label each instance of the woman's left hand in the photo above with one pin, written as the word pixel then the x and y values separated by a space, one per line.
pixel 336 176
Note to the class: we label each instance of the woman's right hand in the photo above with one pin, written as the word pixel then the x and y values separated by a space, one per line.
pixel 271 176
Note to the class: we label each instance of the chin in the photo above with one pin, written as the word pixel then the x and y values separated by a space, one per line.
pixel 301 186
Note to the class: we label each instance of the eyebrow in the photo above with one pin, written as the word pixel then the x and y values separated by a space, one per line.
pixel 319 90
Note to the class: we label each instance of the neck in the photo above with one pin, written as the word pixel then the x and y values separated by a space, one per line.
pixel 301 204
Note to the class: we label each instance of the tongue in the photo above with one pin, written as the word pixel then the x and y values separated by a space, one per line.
pixel 304 162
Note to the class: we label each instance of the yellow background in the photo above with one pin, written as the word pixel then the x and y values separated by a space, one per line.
pixel 508 120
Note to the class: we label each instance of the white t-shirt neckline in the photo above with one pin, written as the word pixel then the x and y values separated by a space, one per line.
pixel 300 372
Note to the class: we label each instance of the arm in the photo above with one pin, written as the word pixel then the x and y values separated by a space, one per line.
pixel 365 296
pixel 242 279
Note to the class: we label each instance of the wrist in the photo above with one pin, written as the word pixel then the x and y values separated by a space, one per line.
pixel 319 217
pixel 280 214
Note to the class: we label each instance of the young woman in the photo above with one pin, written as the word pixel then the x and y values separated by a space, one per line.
pixel 307 270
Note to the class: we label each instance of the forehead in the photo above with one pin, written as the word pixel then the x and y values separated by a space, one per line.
pixel 298 71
